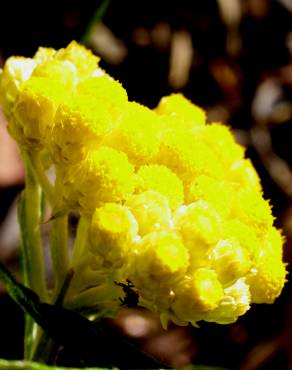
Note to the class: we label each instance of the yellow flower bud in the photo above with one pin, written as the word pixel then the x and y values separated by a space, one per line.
pixel 113 232
pixel 245 235
pixel 268 276
pixel 151 210
pixel 83 59
pixel 105 175
pixel 137 134
pixel 80 125
pixel 236 302
pixel 187 156
pixel 217 193
pixel 108 91
pixel 16 71
pixel 200 226
pixel 34 111
pixel 44 54
pixel 161 261
pixel 161 179
pixel 62 71
pixel 219 138
pixel 230 261
pixel 252 209
pixel 243 173
pixel 187 114
pixel 197 294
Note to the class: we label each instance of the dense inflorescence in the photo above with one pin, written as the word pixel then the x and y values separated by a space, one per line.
pixel 170 203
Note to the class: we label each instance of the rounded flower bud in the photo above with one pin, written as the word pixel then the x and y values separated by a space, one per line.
pixel 200 227
pixel 112 234
pixel 242 234
pixel 187 156
pixel 105 175
pixel 108 91
pixel 83 59
pixel 252 209
pixel 137 134
pixel 34 111
pixel 268 276
pixel 234 303
pixel 197 294
pixel 87 120
pixel 151 210
pixel 44 54
pixel 219 138
pixel 162 179
pixel 16 71
pixel 59 70
pixel 217 193
pixel 161 261
pixel 230 261
pixel 187 114
pixel 243 173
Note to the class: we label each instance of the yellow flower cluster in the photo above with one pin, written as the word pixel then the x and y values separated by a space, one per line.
pixel 170 201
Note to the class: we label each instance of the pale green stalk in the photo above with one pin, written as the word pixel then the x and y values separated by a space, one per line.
pixel 59 250
pixel 80 241
pixel 32 252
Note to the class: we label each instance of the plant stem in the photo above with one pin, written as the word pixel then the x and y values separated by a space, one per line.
pixel 42 178
pixel 97 17
pixel 59 250
pixel 80 240
pixel 32 253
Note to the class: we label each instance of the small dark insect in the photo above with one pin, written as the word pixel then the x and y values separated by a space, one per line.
pixel 131 296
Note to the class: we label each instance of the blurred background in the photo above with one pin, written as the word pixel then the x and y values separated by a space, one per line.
pixel 232 57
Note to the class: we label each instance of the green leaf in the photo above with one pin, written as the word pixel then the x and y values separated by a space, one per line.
pixel 91 343
pixel 28 365
pixel 202 367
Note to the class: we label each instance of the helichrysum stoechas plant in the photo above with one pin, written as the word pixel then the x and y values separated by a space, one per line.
pixel 167 202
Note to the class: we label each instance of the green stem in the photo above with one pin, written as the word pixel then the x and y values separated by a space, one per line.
pixel 80 240
pixel 59 250
pixel 32 253
pixel 97 17
pixel 28 365
pixel 47 187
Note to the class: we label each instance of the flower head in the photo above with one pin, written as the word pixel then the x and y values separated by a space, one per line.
pixel 173 207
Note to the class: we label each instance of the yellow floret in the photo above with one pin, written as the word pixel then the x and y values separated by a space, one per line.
pixel 268 277
pixel 238 232
pixel 230 261
pixel 236 302
pixel 112 234
pixel 197 294
pixel 250 208
pixel 187 114
pixel 152 211
pixel 200 227
pixel 62 71
pixel 243 173
pixel 161 260
pixel 16 71
pixel 83 59
pixel 107 90
pixel 220 139
pixel 80 125
pixel 188 156
pixel 161 179
pixel 34 111
pixel 105 175
pixel 44 54
pixel 218 193
pixel 137 134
